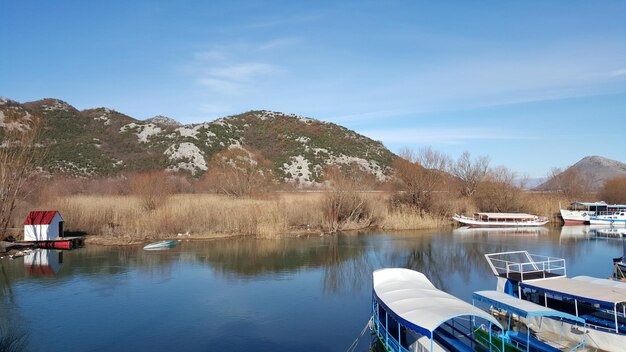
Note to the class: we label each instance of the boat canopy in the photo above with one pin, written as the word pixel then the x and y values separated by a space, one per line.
pixel 590 204
pixel 521 307
pixel 603 282
pixel 417 304
pixel 507 215
pixel 581 290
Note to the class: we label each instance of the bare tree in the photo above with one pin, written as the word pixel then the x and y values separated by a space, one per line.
pixel 470 172
pixel 498 191
pixel 614 191
pixel 419 174
pixel 153 188
pixel 570 182
pixel 238 172
pixel 344 206
pixel 19 158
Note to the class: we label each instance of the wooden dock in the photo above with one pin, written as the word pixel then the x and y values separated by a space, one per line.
pixel 59 243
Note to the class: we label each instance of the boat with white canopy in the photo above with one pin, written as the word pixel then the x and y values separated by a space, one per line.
pixel 410 314
pixel 579 213
pixel 532 326
pixel 542 280
pixel 501 220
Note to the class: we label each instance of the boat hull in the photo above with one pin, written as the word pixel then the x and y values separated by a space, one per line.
pixel 576 217
pixel 477 223
pixel 161 245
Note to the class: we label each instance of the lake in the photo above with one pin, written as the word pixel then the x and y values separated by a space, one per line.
pixel 299 294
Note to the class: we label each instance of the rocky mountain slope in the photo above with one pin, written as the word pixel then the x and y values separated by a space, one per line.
pixel 101 141
pixel 596 169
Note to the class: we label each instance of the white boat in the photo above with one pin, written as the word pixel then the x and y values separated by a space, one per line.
pixel 531 324
pixel 501 220
pixel 156 246
pixel 410 314
pixel 615 215
pixel 580 212
pixel 542 280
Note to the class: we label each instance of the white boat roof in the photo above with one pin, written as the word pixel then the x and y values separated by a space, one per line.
pixel 417 303
pixel 581 289
pixel 603 282
pixel 508 215
pixel 521 307
pixel 590 204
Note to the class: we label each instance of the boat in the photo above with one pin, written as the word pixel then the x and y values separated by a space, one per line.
pixel 410 314
pixel 529 325
pixel 160 245
pixel 615 215
pixel 501 220
pixel 619 264
pixel 579 213
pixel 542 280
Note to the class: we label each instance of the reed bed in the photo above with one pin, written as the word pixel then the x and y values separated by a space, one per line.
pixel 124 219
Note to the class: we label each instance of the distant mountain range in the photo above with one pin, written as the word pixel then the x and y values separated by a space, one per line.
pixel 595 169
pixel 102 142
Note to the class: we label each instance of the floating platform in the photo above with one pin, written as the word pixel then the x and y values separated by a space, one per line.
pixel 59 243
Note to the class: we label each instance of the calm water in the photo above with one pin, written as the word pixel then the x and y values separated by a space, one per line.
pixel 286 295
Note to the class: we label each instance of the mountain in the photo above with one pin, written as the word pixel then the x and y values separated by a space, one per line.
pixel 595 169
pixel 103 142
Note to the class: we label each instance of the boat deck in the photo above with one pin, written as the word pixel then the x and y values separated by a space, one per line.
pixel 529 275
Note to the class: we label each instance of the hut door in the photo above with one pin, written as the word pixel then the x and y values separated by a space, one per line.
pixel 61 229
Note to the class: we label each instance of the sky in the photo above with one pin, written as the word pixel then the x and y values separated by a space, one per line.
pixel 531 84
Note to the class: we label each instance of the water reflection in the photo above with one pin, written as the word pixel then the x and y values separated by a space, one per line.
pixel 498 232
pixel 43 262
pixel 277 294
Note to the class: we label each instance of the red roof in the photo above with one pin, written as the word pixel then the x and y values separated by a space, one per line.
pixel 40 217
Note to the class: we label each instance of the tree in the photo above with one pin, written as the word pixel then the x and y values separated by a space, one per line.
pixel 19 158
pixel 344 205
pixel 419 174
pixel 614 191
pixel 498 192
pixel 152 187
pixel 470 172
pixel 238 172
pixel 570 182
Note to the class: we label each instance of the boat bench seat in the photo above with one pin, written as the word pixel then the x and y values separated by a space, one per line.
pixel 603 322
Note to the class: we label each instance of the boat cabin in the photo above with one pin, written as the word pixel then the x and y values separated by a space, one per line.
pixel 505 217
pixel 593 207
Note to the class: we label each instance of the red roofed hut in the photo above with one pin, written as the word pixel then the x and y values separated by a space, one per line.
pixel 43 226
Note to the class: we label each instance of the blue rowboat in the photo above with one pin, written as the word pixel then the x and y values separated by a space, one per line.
pixel 155 246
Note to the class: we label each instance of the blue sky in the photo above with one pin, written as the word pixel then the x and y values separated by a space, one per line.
pixel 532 84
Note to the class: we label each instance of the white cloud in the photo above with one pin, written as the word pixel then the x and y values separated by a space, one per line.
pixel 620 72
pixel 235 68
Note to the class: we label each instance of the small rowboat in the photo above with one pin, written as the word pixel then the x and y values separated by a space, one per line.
pixel 155 246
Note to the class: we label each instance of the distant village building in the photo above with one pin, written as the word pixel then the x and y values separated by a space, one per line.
pixel 43 226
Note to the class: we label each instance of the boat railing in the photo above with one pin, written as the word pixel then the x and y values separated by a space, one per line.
pixel 389 339
pixel 521 265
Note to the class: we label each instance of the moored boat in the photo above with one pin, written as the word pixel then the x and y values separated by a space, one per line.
pixel 542 280
pixel 579 213
pixel 410 314
pixel 501 220
pixel 530 325
pixel 615 215
pixel 160 245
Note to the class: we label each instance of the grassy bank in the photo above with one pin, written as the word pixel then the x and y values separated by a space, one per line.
pixel 123 219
